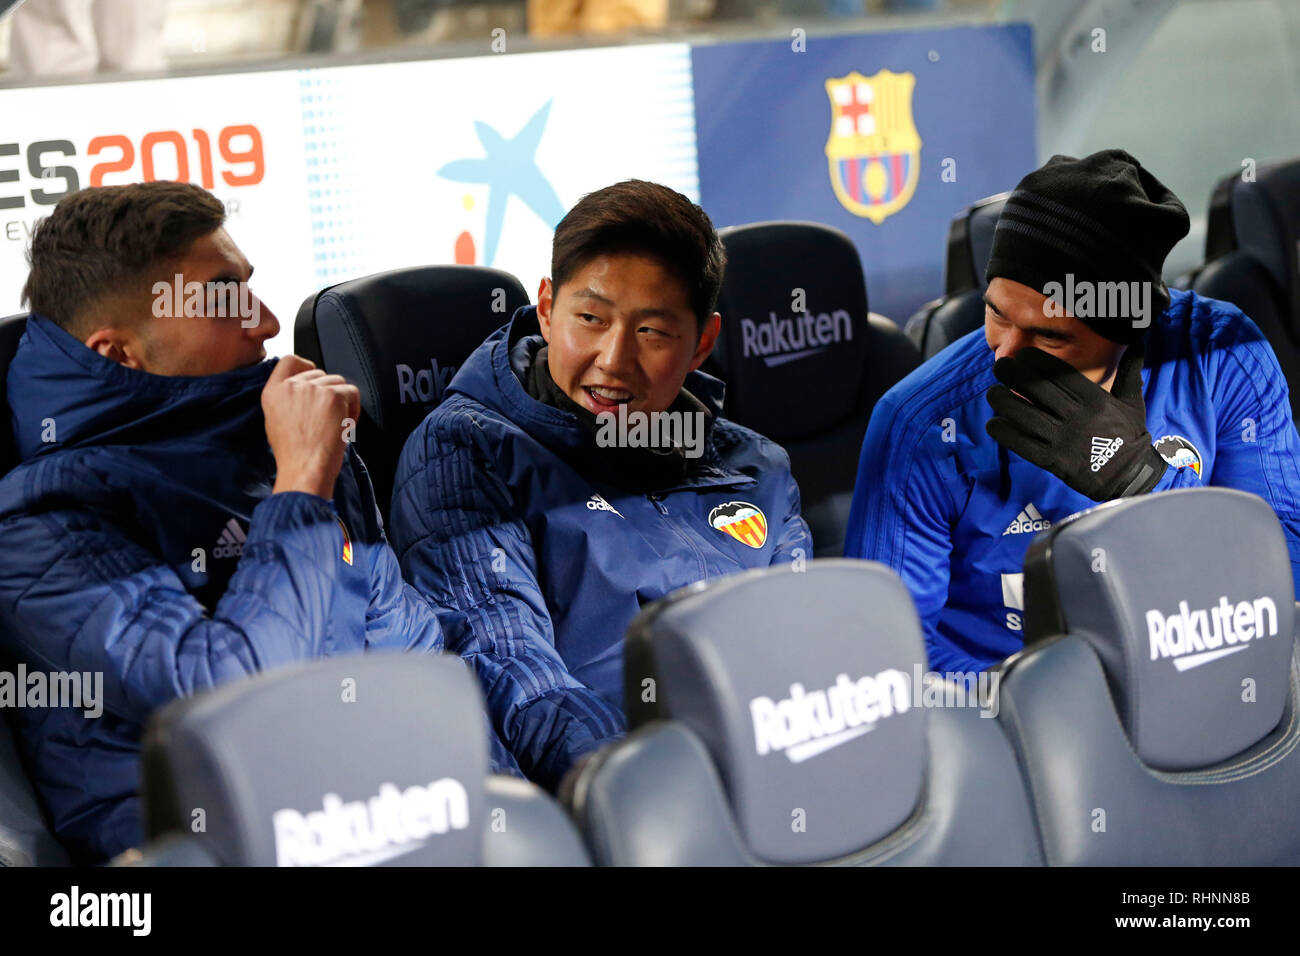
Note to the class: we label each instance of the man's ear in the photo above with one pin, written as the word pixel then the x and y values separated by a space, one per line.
pixel 708 338
pixel 120 345
pixel 545 299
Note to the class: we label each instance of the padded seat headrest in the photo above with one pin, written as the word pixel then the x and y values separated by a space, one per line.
pixel 1266 220
pixel 357 760
pixel 1187 598
pixel 399 337
pixel 11 330
pixel 970 242
pixel 767 352
pixel 800 684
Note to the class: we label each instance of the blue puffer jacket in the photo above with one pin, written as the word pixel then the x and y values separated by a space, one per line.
pixel 505 515
pixel 142 542
pixel 953 512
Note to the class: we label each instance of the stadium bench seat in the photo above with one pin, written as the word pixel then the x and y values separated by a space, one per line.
pixel 1220 236
pixel 1148 736
pixel 399 337
pixel 961 309
pixel 1251 242
pixel 25 839
pixel 361 760
pixel 808 381
pixel 730 763
pixel 11 330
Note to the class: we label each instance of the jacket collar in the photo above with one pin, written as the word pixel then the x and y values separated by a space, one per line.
pixel 92 400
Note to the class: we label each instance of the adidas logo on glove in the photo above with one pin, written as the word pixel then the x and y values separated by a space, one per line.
pixel 1103 450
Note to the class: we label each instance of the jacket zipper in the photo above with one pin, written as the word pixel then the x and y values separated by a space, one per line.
pixel 657 501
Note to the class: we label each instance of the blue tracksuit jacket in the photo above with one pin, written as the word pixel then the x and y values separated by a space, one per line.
pixel 502 515
pixel 953 512
pixel 142 542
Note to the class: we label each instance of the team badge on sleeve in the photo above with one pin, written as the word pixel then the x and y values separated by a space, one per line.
pixel 347 541
pixel 1179 452
pixel 743 521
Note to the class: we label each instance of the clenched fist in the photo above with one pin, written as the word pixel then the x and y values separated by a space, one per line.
pixel 306 412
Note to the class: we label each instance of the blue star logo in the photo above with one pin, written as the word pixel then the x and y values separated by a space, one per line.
pixel 509 168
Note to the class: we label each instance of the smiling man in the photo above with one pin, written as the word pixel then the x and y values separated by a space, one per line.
pixel 538 526
pixel 1102 384
pixel 185 513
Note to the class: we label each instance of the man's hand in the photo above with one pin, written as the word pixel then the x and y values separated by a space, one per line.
pixel 305 410
pixel 1053 416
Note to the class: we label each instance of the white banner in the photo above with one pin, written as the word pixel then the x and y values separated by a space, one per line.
pixel 336 173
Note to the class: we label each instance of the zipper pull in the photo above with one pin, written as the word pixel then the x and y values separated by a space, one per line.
pixel 658 503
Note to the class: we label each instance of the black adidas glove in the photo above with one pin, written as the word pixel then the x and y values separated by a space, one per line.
pixel 1095 441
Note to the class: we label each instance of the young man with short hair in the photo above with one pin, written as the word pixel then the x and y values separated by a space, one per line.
pixel 185 513
pixel 543 503
pixel 1102 384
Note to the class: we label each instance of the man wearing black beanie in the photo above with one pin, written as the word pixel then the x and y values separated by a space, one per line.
pixel 966 458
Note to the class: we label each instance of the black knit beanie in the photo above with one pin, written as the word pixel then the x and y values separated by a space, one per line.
pixel 1078 223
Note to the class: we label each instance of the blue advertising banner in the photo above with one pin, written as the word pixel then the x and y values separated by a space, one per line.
pixel 884 135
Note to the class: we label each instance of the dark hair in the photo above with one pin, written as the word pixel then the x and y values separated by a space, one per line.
pixel 635 216
pixel 102 241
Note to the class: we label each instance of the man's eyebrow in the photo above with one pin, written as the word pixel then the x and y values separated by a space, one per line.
pixel 648 313
pixel 1044 331
pixel 232 276
pixel 1048 332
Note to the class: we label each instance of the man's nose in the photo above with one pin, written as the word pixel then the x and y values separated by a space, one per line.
pixel 262 324
pixel 617 350
pixel 1011 342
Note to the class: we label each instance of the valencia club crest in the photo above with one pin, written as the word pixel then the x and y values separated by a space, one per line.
pixel 743 521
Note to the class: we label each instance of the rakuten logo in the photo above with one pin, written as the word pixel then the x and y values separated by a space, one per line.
pixel 806 724
pixel 366 832
pixel 778 341
pixel 426 385
pixel 1193 638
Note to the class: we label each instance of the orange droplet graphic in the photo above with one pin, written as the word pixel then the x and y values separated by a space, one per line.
pixel 464 249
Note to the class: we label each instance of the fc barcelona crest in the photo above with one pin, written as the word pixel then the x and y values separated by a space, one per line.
pixel 874 150
pixel 743 521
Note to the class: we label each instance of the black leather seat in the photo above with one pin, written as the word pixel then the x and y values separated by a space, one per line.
pixel 808 381
pixel 961 309
pixel 379 759
pixel 25 839
pixel 11 331
pixel 399 337
pixel 1156 708
pixel 1251 242
pixel 750 748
